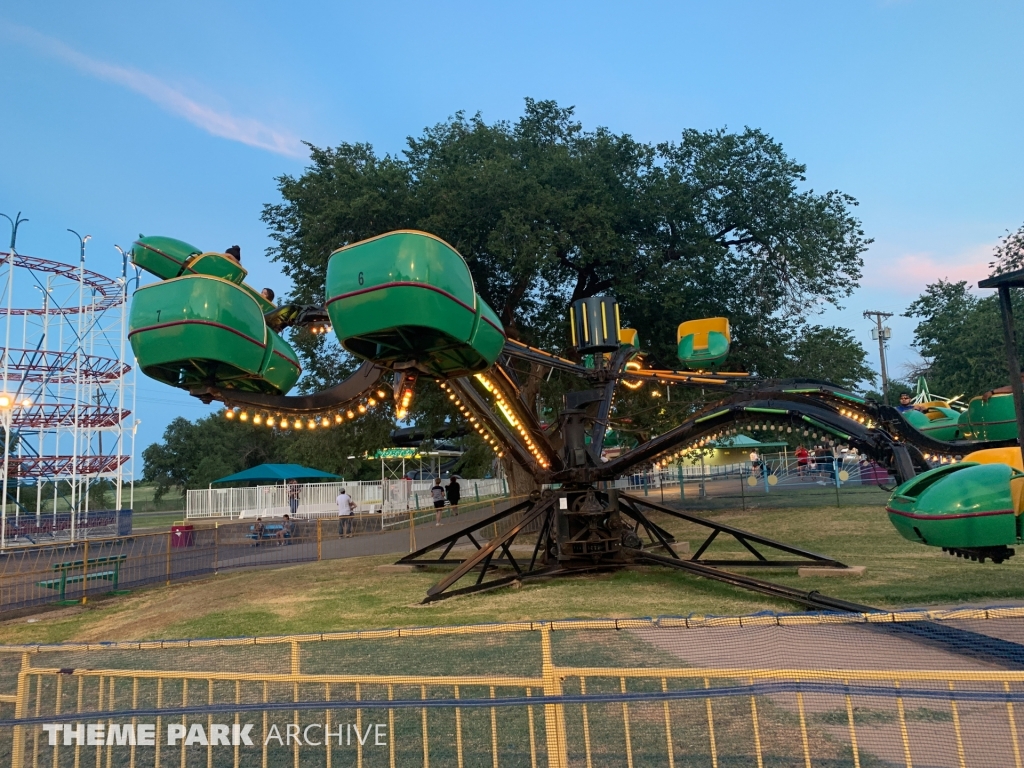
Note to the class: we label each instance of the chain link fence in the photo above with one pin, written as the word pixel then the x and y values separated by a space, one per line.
pixel 940 688
pixel 71 572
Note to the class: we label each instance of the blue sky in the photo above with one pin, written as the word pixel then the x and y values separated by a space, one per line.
pixel 121 118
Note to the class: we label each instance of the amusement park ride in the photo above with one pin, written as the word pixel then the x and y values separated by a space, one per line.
pixel 405 303
pixel 67 392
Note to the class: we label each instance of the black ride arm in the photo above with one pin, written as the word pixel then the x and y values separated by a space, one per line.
pixel 355 386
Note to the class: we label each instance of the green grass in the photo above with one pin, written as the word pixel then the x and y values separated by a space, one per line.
pixel 350 594
pixel 149 521
pixel 868 716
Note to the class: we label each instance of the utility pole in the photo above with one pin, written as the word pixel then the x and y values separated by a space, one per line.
pixel 882 335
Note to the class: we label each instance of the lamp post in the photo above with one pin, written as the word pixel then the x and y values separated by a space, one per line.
pixel 6 401
pixel 75 491
pixel 7 406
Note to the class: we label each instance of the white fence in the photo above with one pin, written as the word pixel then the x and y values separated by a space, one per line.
pixel 786 467
pixel 393 498
pixel 405 496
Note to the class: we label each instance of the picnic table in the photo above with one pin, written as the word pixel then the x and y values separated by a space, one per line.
pixel 106 568
pixel 270 531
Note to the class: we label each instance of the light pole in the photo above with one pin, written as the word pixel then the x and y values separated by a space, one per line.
pixel 16 222
pixel 78 380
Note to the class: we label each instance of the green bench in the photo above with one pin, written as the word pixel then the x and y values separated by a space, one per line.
pixel 95 568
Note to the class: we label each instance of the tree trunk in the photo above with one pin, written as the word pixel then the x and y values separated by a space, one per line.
pixel 520 482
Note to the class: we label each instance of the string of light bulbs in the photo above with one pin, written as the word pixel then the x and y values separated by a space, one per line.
pixel 474 422
pixel 510 416
pixel 324 420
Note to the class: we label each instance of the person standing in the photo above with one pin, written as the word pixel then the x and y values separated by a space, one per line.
pixel 437 496
pixel 454 493
pixel 346 508
pixel 293 491
pixel 755 463
pixel 801 460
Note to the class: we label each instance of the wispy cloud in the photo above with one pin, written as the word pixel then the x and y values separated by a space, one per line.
pixel 911 272
pixel 245 130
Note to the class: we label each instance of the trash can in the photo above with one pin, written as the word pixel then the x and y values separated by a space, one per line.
pixel 182 536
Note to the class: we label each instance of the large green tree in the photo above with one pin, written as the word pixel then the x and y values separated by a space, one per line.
pixel 546 212
pixel 829 354
pixel 959 335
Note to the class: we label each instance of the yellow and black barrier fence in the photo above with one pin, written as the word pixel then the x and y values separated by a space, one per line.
pixel 38 574
pixel 765 690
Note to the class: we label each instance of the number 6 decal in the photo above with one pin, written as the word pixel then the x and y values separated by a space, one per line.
pixel 360 278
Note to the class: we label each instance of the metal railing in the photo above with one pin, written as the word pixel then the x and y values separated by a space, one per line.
pixel 533 710
pixel 391 497
pixel 29 574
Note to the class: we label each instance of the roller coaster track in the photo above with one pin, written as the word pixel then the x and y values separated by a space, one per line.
pixel 53 416
pixel 106 292
pixel 52 466
pixel 52 367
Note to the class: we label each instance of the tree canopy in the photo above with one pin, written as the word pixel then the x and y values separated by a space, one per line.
pixel 546 212
pixel 960 334
pixel 960 337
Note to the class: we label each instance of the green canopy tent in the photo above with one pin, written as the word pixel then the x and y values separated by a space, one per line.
pixel 277 473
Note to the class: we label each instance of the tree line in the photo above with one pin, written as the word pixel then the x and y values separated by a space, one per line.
pixel 959 334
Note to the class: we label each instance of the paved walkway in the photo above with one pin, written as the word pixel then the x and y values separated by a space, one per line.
pixel 396 542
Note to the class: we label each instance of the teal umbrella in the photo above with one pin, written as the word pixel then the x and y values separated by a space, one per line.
pixel 277 473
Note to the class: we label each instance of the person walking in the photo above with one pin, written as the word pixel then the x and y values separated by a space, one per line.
pixel 755 463
pixel 454 493
pixel 293 492
pixel 346 508
pixel 437 496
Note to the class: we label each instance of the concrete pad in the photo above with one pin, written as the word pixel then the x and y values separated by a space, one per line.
pixel 811 571
pixel 681 547
pixel 398 568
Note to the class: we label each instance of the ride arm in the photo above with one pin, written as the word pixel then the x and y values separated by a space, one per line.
pixel 355 386
pixel 289 315
pixel 481 409
pixel 815 415
pixel 500 378
pixel 520 351
pixel 604 408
